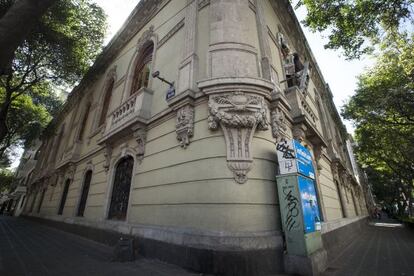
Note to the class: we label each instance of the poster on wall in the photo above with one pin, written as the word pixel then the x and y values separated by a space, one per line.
pixel 310 206
pixel 293 157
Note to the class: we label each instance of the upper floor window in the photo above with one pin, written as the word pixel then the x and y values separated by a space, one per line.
pixel 142 68
pixel 84 121
pixel 58 143
pixel 107 100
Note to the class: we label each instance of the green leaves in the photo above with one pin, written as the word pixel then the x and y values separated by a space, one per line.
pixel 57 53
pixel 6 179
pixel 383 112
pixel 356 25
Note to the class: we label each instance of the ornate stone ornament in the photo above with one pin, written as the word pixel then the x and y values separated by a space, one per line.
pixel 70 171
pixel 107 155
pixel 185 125
pixel 317 152
pixel 279 124
pixel 140 136
pixel 238 114
pixel 146 36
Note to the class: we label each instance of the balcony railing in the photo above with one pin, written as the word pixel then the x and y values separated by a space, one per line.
pixel 136 109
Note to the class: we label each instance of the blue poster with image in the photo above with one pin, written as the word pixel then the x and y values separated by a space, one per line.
pixel 311 215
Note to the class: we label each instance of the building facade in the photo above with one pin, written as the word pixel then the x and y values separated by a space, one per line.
pixel 188 166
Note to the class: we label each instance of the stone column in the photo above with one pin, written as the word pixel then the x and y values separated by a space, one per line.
pixel 188 67
pixel 231 53
pixel 238 96
pixel 265 54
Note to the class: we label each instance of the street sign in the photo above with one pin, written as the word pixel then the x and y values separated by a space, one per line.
pixel 170 93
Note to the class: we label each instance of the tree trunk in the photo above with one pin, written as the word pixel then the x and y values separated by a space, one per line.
pixel 4 111
pixel 410 202
pixel 15 25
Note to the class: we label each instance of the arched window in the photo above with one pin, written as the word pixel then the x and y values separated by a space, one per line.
pixel 121 187
pixel 58 144
pixel 142 68
pixel 84 195
pixel 64 196
pixel 106 102
pixel 23 201
pixel 34 197
pixel 83 123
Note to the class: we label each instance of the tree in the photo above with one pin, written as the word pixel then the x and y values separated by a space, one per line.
pixel 15 26
pixel 57 52
pixel 355 25
pixel 25 125
pixel 383 112
pixel 6 179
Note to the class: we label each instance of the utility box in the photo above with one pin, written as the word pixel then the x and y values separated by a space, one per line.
pixel 300 214
pixel 299 208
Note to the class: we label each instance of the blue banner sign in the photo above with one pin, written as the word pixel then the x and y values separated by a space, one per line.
pixel 293 157
pixel 310 208
pixel 304 160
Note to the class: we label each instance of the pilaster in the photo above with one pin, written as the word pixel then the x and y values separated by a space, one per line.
pixel 188 67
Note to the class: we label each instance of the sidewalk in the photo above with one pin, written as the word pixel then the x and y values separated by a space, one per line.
pixel 28 248
pixel 385 248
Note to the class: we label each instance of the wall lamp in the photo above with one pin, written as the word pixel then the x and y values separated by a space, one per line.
pixel 171 89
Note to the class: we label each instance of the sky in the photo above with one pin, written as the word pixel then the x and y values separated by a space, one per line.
pixel 339 73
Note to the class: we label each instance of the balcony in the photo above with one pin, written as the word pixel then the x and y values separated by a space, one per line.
pixel 69 156
pixel 301 109
pixel 134 111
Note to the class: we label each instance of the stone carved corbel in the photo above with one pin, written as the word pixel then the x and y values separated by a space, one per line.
pixel 317 152
pixel 54 179
pixel 185 125
pixel 140 136
pixel 238 114
pixel 107 155
pixel 70 171
pixel 279 124
pixel 299 132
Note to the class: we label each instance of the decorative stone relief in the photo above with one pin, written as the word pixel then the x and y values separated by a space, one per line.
pixel 279 124
pixel 146 36
pixel 140 136
pixel 185 125
pixel 70 171
pixel 107 155
pixel 238 114
pixel 317 152
pixel 299 132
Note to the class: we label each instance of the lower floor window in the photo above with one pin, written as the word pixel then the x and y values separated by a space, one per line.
pixel 121 187
pixel 64 196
